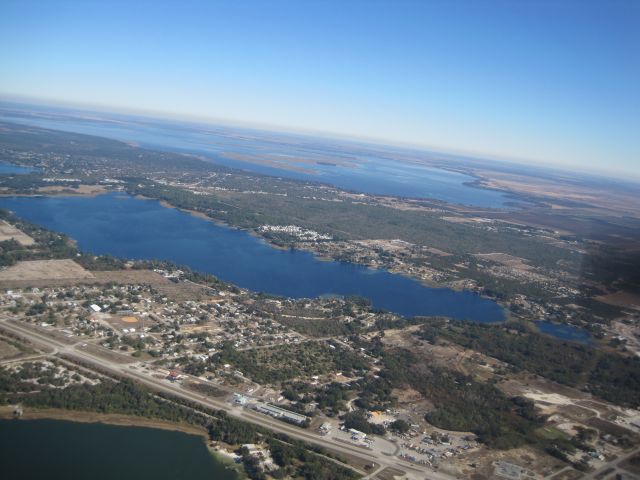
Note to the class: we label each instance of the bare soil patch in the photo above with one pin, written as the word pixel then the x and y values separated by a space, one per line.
pixel 505 259
pixel 106 354
pixel 621 299
pixel 484 461
pixel 390 473
pixel 9 232
pixel 34 270
pixel 86 190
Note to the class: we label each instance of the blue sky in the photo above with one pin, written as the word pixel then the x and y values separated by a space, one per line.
pixel 550 81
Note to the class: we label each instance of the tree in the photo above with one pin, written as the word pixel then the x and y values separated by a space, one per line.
pixel 400 426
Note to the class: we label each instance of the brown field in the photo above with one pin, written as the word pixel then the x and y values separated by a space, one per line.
pixel 557 190
pixel 58 273
pixel 9 232
pixel 390 473
pixel 49 332
pixel 611 428
pixel 107 354
pixel 89 190
pixel 527 457
pixel 43 270
pixel 209 327
pixel 621 299
pixel 127 321
pixel 505 259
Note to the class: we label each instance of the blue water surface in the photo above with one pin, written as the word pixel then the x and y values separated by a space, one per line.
pixel 346 166
pixel 11 169
pixel 129 227
pixel 563 331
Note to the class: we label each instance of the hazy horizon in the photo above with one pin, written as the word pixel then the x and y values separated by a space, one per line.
pixel 539 82
pixel 76 111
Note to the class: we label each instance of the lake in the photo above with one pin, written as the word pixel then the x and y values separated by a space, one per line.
pixel 11 169
pixel 348 165
pixel 563 331
pixel 128 227
pixel 55 449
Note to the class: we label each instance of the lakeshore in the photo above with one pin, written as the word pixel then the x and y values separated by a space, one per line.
pixel 71 449
pixel 128 227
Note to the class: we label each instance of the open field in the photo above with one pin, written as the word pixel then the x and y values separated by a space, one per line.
pixel 43 270
pixel 559 191
pixel 89 190
pixel 505 259
pixel 621 299
pixel 9 232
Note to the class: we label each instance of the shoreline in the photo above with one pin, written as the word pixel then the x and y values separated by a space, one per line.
pixel 117 419
pixel 219 453
pixel 64 192
pixel 322 257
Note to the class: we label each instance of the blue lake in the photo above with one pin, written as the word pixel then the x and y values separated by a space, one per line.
pixel 11 169
pixel 564 332
pixel 348 165
pixel 125 226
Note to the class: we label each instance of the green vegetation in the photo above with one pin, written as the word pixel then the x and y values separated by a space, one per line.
pixel 611 376
pixel 461 403
pixel 399 426
pixel 353 220
pixel 48 245
pixel 296 459
pixel 358 420
pixel 286 362
pixel 319 327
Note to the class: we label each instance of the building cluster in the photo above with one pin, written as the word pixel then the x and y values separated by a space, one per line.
pixel 295 231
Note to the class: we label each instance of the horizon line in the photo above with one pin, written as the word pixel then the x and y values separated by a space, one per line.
pixel 205 120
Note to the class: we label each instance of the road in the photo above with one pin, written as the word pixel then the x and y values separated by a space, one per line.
pixel 614 465
pixel 137 373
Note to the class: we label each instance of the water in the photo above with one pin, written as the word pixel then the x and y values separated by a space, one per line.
pixel 11 169
pixel 39 449
pixel 129 227
pixel 564 332
pixel 351 166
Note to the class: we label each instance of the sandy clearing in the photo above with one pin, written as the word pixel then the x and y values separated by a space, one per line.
pixel 9 232
pixel 44 269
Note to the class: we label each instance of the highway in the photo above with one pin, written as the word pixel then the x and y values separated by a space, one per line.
pixel 135 372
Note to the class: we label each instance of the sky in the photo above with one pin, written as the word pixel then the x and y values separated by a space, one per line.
pixel 554 82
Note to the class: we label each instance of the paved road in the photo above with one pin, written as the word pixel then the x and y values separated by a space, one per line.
pixel 614 465
pixel 76 350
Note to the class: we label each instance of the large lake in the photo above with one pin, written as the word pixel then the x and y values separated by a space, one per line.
pixel 129 227
pixel 54 449
pixel 347 165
